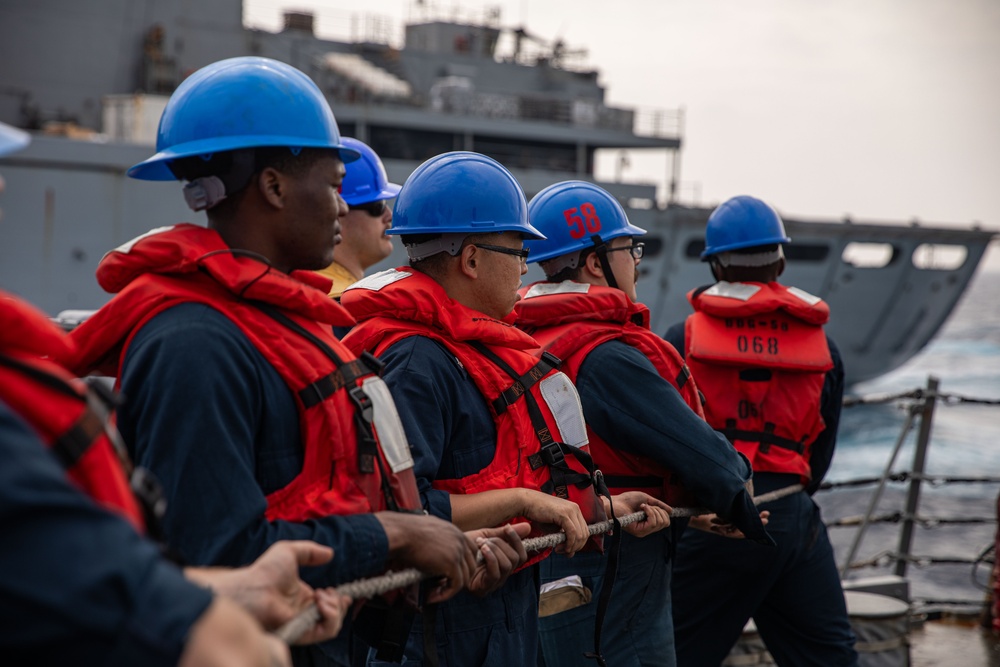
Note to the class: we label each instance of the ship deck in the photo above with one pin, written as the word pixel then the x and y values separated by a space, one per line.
pixel 951 642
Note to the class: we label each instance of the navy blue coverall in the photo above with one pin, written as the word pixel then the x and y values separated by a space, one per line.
pixel 452 435
pixel 793 592
pixel 78 585
pixel 630 406
pixel 213 420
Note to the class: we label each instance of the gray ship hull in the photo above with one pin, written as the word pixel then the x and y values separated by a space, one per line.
pixel 69 202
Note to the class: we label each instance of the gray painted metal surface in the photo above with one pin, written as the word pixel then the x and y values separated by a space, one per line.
pixel 69 202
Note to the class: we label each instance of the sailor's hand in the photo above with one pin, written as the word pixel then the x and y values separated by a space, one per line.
pixel 543 508
pixel 434 547
pixel 630 502
pixel 502 551
pixel 271 590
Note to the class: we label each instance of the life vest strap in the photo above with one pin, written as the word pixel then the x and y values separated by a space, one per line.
pixel 682 377
pixel 70 447
pixel 633 481
pixel 524 382
pixel 766 438
pixel 74 443
pixel 345 374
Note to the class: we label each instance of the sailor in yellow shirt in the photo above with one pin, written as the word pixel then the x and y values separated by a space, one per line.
pixel 367 191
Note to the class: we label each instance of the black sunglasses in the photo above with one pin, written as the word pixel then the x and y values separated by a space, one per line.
pixel 517 252
pixel 636 249
pixel 374 209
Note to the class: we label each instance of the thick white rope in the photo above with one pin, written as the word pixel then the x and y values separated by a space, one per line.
pixel 369 588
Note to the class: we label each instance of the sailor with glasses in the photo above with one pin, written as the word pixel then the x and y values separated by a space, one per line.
pixel 644 422
pixel 495 429
pixel 363 239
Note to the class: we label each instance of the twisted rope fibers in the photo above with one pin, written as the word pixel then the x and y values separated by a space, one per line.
pixel 368 588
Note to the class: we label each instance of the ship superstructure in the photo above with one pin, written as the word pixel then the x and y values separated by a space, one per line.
pixel 98 74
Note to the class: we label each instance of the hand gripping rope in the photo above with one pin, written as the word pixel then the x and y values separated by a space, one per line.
pixel 368 588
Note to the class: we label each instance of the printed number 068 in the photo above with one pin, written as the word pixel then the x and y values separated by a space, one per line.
pixel 583 222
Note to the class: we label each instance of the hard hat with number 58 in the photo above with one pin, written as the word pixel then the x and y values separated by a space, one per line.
pixel 570 214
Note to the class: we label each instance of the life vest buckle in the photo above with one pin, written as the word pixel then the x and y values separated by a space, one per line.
pixel 553 455
pixel 362 402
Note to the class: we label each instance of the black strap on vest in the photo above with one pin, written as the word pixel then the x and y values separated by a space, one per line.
pixel 525 382
pixel 345 374
pixel 633 481
pixel 682 377
pixel 766 438
pixel 70 446
pixel 610 573
pixel 552 453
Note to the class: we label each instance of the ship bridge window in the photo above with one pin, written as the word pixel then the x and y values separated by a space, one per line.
pixel 416 145
pixel 794 252
pixel 530 154
pixel 869 255
pixel 939 257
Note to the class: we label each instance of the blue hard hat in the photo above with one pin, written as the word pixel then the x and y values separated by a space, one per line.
pixel 570 214
pixel 365 180
pixel 742 222
pixel 461 192
pixel 238 103
pixel 12 139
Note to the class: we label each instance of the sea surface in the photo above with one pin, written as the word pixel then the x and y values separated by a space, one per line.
pixel 964 442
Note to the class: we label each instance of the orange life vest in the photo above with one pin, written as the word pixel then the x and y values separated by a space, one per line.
pixel 508 369
pixel 66 415
pixel 760 356
pixel 289 319
pixel 570 319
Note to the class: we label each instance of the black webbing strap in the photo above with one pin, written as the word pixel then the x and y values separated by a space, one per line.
pixel 633 481
pixel 766 438
pixel 610 573
pixel 601 249
pixel 74 443
pixel 431 658
pixel 552 452
pixel 524 382
pixel 40 376
pixel 346 374
pixel 70 447
pixel 683 377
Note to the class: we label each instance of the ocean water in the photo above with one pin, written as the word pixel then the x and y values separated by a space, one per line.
pixel 965 442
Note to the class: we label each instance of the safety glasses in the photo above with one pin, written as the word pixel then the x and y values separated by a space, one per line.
pixel 517 252
pixel 374 209
pixel 635 249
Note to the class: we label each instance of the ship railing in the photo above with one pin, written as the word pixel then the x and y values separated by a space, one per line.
pixel 366 84
pixel 920 405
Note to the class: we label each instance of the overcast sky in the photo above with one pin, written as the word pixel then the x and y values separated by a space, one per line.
pixel 878 109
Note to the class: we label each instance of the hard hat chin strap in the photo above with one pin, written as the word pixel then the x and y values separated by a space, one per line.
pixel 601 249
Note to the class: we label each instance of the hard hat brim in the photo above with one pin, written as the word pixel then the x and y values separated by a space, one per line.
pixel 389 192
pixel 156 169
pixel 479 227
